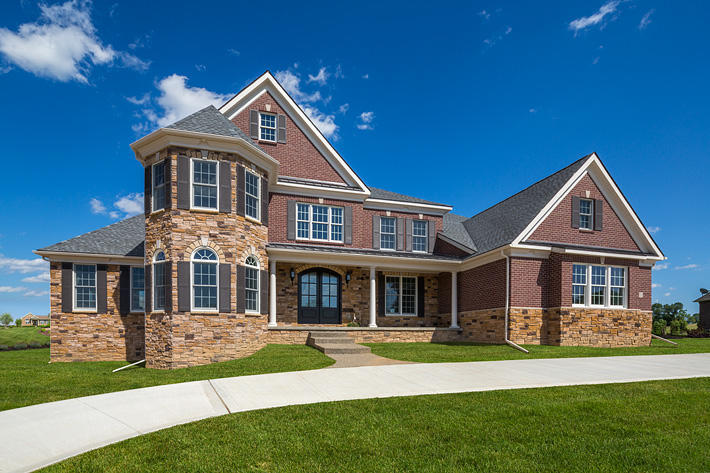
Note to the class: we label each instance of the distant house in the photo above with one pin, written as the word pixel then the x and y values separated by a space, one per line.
pixel 704 302
pixel 31 320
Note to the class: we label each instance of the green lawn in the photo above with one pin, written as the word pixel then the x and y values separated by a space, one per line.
pixel 449 352
pixel 27 378
pixel 659 426
pixel 14 335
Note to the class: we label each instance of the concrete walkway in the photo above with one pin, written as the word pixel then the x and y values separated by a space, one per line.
pixel 36 436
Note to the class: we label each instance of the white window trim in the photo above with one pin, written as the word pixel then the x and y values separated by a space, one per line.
pixel 276 127
pixel 73 288
pixel 395 234
pixel 152 186
pixel 154 293
pixel 426 236
pixel 193 309
pixel 258 286
pixel 329 223
pixel 258 196
pixel 130 300
pixel 192 186
pixel 607 286
pixel 590 214
pixel 399 296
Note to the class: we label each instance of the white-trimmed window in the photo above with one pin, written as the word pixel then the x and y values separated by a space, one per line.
pixel 400 295
pixel 251 191
pixel 85 287
pixel 267 126
pixel 137 289
pixel 388 235
pixel 251 273
pixel 586 207
pixel 160 281
pixel 319 222
pixel 204 280
pixel 158 183
pixel 419 235
pixel 598 286
pixel 204 184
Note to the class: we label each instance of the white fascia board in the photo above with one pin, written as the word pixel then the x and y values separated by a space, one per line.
pixel 396 205
pixel 267 83
pixel 606 254
pixel 63 256
pixel 317 191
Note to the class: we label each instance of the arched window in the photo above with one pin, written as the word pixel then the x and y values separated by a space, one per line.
pixel 251 272
pixel 160 281
pixel 204 280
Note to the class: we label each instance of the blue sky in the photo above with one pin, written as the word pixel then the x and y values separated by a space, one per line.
pixel 460 103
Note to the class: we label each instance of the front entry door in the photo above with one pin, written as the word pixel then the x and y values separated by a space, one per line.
pixel 319 297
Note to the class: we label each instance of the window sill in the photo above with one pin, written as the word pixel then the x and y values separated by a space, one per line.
pixel 159 312
pixel 136 312
pixel 251 313
pixel 401 315
pixel 253 220
pixel 85 311
pixel 204 312
pixel 156 212
pixel 204 210
pixel 267 142
pixel 586 230
pixel 618 307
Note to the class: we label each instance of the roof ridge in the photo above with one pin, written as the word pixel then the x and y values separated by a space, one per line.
pixel 93 231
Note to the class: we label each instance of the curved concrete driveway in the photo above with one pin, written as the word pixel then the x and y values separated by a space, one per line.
pixel 36 436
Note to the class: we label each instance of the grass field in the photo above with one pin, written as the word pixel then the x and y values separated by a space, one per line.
pixel 27 378
pixel 659 426
pixel 451 352
pixel 14 335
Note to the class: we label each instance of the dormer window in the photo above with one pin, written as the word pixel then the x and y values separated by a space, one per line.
pixel 267 126
pixel 586 207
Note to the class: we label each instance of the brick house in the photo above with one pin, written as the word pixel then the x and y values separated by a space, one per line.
pixel 257 231
pixel 32 320
pixel 703 310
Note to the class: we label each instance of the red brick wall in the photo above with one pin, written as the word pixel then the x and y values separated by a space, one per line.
pixel 530 279
pixel 297 157
pixel 482 287
pixel 442 247
pixel 557 227
pixel 362 220
pixel 444 293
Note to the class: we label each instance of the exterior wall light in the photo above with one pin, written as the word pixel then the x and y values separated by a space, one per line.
pixel 293 275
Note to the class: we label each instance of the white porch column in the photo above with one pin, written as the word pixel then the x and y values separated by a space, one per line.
pixel 272 293
pixel 373 298
pixel 454 300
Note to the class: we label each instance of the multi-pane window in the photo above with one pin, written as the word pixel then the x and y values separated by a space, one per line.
pixel 137 289
pixel 251 272
pixel 204 184
pixel 160 281
pixel 419 235
pixel 158 190
pixel 251 190
pixel 400 295
pixel 204 280
pixel 388 237
pixel 585 214
pixel 595 285
pixel 267 127
pixel 319 222
pixel 85 286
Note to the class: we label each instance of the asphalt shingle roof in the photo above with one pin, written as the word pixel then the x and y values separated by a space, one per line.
pixel 210 120
pixel 389 195
pixel 454 229
pixel 704 298
pixel 124 238
pixel 359 251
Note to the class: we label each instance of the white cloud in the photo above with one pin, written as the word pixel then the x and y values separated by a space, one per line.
pixel 532 110
pixel 62 44
pixel 667 294
pixel 646 19
pixel 292 83
pixel 653 229
pixel 595 60
pixel 484 14
pixel 97 207
pixel 339 72
pixel 200 67
pixel 586 21
pixel 660 266
pixel 131 204
pixel 344 108
pixel 8 289
pixel 323 121
pixel 139 101
pixel 508 30
pixel 234 52
pixel 39 278
pixel 366 119
pixel 654 285
pixel 366 76
pixel 34 293
pixel 687 266
pixel 24 266
pixel 321 78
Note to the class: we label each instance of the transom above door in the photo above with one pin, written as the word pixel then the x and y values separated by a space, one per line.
pixel 319 294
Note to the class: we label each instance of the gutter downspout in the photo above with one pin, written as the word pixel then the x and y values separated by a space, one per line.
pixel 507 304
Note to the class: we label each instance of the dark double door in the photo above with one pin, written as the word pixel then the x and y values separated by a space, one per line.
pixel 319 297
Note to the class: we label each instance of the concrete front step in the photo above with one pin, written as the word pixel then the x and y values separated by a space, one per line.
pixel 334 343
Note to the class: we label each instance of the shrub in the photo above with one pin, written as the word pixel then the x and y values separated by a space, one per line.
pixel 4 347
pixel 678 326
pixel 699 333
pixel 20 346
pixel 659 327
pixel 35 345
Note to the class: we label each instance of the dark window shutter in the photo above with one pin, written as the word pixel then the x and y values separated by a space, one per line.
pixel 148 288
pixel 225 287
pixel 264 290
pixel 282 128
pixel 240 190
pixel 376 232
pixel 380 294
pixel 168 180
pixel 168 267
pixel 291 220
pixel 348 225
pixel 183 183
pixel 148 189
pixel 225 187
pixel 400 234
pixel 124 291
pixel 420 296
pixel 575 211
pixel 264 201
pixel 254 124
pixel 598 214
pixel 183 281
pixel 101 293
pixel 67 287
pixel 408 230
pixel 432 236
pixel 241 291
